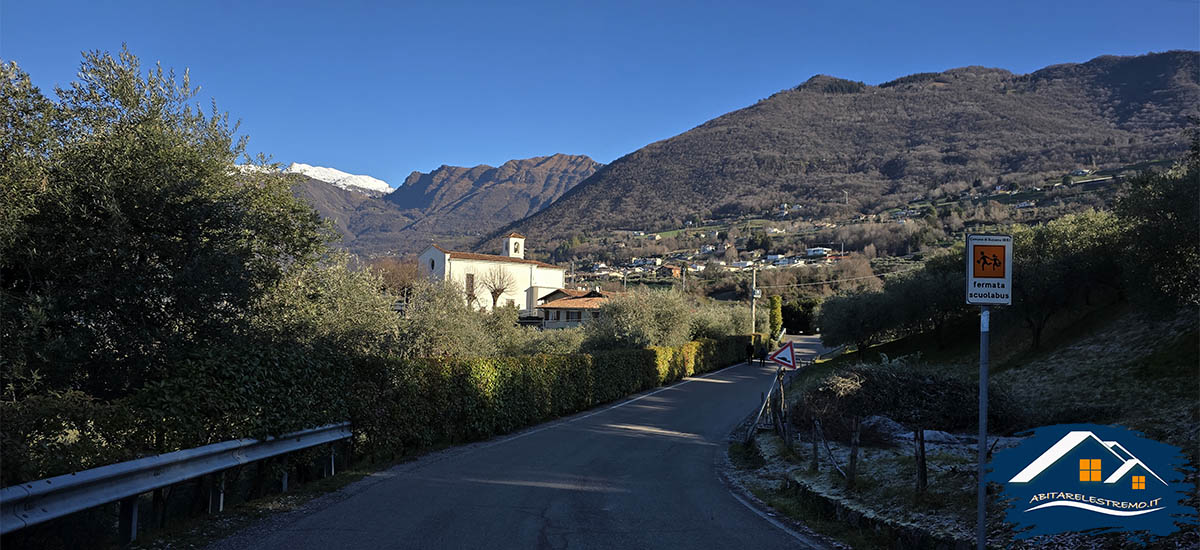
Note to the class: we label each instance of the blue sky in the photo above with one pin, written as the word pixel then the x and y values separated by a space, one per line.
pixel 386 88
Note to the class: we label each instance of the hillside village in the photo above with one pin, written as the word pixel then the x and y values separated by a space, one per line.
pixel 644 256
pixel 570 293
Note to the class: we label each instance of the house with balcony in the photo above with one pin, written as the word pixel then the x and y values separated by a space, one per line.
pixel 572 309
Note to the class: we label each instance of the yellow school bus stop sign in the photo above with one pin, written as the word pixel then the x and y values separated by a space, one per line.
pixel 989 283
pixel 989 270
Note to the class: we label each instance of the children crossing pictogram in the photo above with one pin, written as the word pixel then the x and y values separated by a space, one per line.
pixel 989 262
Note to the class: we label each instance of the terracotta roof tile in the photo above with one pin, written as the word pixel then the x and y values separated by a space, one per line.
pixel 495 258
pixel 589 299
pixel 586 302
pixel 564 293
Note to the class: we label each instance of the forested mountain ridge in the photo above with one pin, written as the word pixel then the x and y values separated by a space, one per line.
pixel 514 190
pixel 835 147
pixel 451 205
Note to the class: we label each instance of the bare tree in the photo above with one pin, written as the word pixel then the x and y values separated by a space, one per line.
pixel 497 281
pixel 469 286
pixel 397 275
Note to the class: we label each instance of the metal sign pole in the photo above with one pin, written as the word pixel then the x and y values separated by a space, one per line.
pixel 981 504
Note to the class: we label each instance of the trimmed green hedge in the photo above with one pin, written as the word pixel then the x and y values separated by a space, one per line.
pixel 401 407
pixel 213 396
pixel 397 407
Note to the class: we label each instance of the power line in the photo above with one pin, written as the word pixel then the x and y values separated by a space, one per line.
pixel 897 272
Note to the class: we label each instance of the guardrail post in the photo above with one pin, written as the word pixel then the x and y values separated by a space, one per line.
pixel 158 508
pixel 127 532
pixel 329 468
pixel 284 460
pixel 216 494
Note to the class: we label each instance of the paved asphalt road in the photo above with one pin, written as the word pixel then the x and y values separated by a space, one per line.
pixel 637 474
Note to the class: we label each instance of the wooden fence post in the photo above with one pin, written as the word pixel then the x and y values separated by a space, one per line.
pixel 815 465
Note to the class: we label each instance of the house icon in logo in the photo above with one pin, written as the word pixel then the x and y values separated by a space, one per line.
pixel 1099 461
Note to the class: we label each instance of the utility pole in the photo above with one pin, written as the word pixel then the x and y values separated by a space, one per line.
pixel 753 300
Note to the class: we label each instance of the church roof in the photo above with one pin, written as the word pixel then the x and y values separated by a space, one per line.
pixel 494 258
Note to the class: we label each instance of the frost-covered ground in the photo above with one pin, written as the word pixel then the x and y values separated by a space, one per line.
pixel 886 478
pixel 1143 370
pixel 886 481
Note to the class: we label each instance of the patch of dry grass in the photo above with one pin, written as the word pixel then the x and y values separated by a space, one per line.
pixel 1140 372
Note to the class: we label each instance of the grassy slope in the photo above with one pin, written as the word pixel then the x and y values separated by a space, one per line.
pixel 1109 365
pixel 1136 371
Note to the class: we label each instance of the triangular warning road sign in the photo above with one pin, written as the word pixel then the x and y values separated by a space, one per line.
pixel 785 356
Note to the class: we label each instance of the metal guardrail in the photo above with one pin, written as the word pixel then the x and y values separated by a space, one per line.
pixel 833 352
pixel 35 502
pixel 766 399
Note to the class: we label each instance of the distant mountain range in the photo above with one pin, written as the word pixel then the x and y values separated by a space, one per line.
pixel 479 196
pixel 833 146
pixel 451 205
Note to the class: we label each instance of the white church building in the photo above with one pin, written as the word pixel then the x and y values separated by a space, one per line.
pixel 530 279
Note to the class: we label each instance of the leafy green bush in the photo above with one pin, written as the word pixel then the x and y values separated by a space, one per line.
pixel 1055 265
pixel 153 296
pixel 1163 214
pixel 400 406
pixel 531 341
pixel 776 316
pixel 56 433
pixel 859 319
pixel 717 320
pixel 639 319
pixel 437 322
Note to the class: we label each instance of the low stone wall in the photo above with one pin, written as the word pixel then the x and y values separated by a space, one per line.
pixel 905 537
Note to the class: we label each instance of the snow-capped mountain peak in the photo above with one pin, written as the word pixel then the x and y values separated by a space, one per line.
pixel 340 179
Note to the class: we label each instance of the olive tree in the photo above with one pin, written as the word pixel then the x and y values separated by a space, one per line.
pixel 134 237
pixel 638 319
pixel 1163 241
